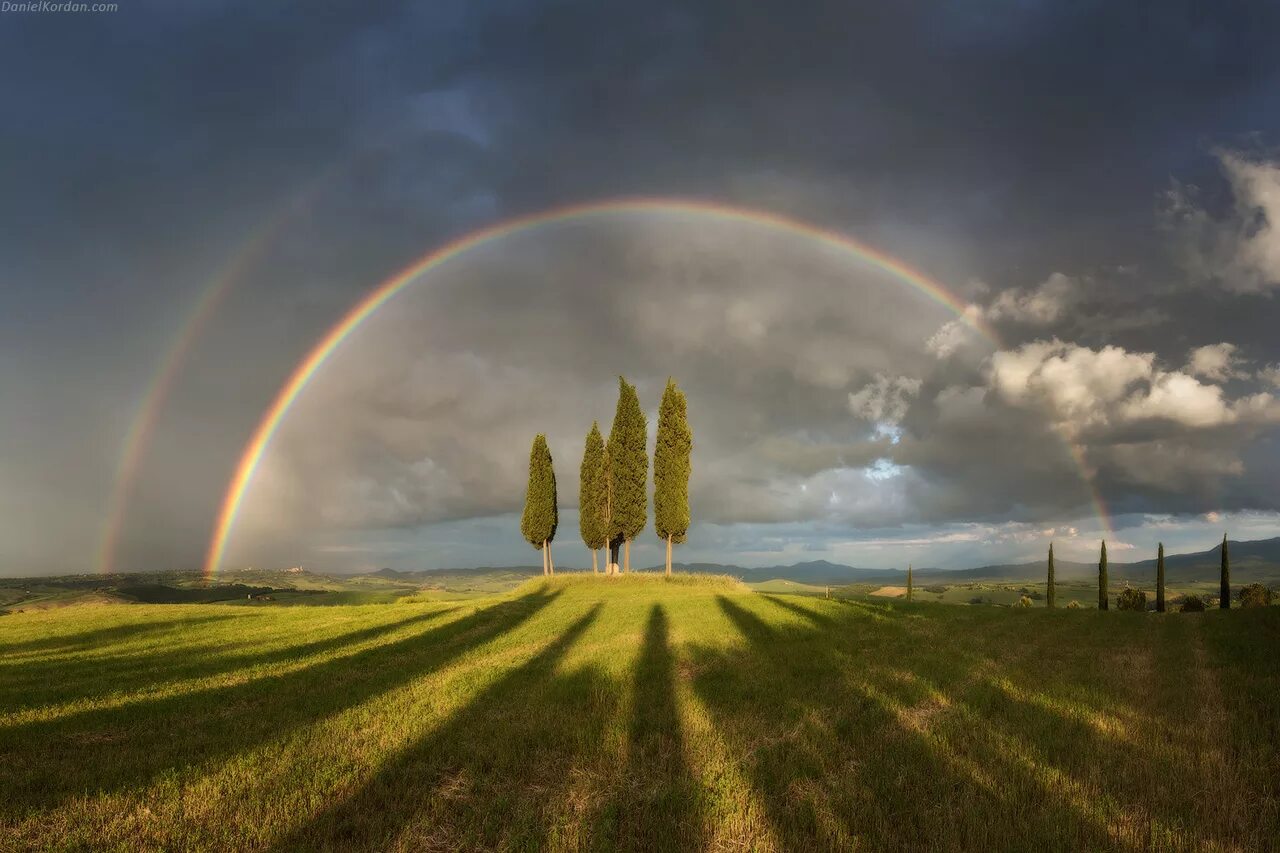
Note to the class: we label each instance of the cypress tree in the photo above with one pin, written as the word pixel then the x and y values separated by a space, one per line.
pixel 1160 579
pixel 593 495
pixel 1224 581
pixel 1049 595
pixel 909 586
pixel 1102 578
pixel 538 524
pixel 628 473
pixel 671 469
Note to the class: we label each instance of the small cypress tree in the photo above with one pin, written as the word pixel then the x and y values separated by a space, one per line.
pixel 1160 579
pixel 628 473
pixel 1049 592
pixel 538 523
pixel 1103 598
pixel 1224 581
pixel 910 588
pixel 671 469
pixel 593 495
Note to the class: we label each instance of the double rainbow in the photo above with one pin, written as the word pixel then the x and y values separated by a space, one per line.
pixel 390 288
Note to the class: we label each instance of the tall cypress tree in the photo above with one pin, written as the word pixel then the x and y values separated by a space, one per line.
pixel 1103 603
pixel 671 469
pixel 1160 579
pixel 628 474
pixel 593 495
pixel 538 524
pixel 1049 595
pixel 1224 580
pixel 910 588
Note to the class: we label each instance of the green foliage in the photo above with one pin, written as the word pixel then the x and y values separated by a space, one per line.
pixel 593 492
pixel 628 466
pixel 1050 592
pixel 671 467
pixel 1192 604
pixel 1224 581
pixel 1102 578
pixel 1255 595
pixel 1131 598
pixel 1160 579
pixel 538 524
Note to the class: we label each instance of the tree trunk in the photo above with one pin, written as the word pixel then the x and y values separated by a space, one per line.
pixel 551 563
pixel 544 556
pixel 668 555
pixel 594 567
pixel 614 546
pixel 626 556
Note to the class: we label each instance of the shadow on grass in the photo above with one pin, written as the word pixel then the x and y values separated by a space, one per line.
pixel 486 776
pixel 28 685
pixel 63 643
pixel 660 805
pixel 893 734
pixel 118 748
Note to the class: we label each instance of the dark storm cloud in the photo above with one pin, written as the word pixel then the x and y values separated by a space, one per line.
pixel 139 150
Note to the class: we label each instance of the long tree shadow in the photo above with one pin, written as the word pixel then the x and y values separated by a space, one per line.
pixel 29 685
pixel 110 749
pixel 829 763
pixel 487 776
pixel 821 620
pixel 63 643
pixel 660 805
pixel 927 739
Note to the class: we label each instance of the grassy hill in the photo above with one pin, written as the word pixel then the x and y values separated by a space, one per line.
pixel 636 713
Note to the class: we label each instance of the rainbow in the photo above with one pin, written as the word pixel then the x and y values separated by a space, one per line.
pixel 394 285
pixel 212 296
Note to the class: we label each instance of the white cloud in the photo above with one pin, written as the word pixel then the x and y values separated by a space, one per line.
pixel 1075 383
pixel 885 399
pixel 1242 249
pixel 1082 387
pixel 1043 305
pixel 1215 362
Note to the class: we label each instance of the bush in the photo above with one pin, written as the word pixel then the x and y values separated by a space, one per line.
pixel 1254 595
pixel 977 599
pixel 1131 599
pixel 1073 605
pixel 935 587
pixel 1023 601
pixel 1192 604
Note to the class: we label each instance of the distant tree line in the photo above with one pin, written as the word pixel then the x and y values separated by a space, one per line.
pixel 612 485
pixel 1130 598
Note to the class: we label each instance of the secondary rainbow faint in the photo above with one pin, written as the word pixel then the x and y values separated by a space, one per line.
pixel 394 285
pixel 143 425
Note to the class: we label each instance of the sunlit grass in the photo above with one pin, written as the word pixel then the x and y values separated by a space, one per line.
pixel 638 713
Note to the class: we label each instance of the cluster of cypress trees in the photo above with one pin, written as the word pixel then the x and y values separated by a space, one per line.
pixel 612 489
pixel 1224 600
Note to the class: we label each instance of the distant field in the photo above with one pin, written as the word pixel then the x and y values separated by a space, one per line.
pixel 637 713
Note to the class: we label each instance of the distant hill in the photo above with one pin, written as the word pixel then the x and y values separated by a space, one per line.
pixel 1252 560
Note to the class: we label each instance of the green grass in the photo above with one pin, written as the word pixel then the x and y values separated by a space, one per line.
pixel 636 713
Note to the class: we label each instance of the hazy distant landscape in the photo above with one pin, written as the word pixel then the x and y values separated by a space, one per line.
pixel 1252 562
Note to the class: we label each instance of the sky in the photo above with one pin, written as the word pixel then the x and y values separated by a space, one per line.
pixel 192 195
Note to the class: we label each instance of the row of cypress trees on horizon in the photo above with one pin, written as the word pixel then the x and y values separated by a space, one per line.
pixel 612 493
pixel 1224 598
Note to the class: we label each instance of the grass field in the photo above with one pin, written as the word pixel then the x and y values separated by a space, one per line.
pixel 636 713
